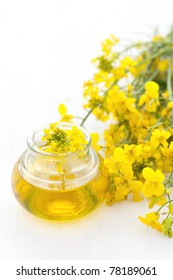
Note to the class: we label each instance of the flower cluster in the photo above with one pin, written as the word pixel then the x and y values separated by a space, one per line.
pixel 132 88
pixel 57 140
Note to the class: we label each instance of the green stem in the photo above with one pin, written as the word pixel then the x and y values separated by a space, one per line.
pixel 146 44
pixel 154 126
pixel 164 205
pixel 169 178
pixel 169 86
pixel 87 115
pixel 155 55
pixel 107 91
pixel 167 216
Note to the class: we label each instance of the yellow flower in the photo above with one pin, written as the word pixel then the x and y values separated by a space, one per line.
pixel 162 65
pixel 111 164
pixel 119 155
pixel 151 220
pixel 157 37
pixel 151 87
pixel 121 186
pixel 114 134
pixel 119 72
pixel 132 152
pixel 62 109
pixel 159 200
pixel 127 63
pixel 100 114
pixel 108 44
pixel 114 197
pixel 159 137
pixel 171 146
pixel 151 97
pixel 77 139
pixel 118 190
pixel 94 139
pixel 129 103
pixel 100 76
pixel 170 104
pixel 59 140
pixel 117 103
pixel 146 151
pixel 153 182
pixel 119 164
pixel 167 110
pixel 122 165
pixel 136 187
pixel 125 168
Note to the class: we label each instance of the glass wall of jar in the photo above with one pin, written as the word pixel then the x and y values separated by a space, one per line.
pixel 59 186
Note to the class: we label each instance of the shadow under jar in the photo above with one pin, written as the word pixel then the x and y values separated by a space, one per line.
pixel 78 187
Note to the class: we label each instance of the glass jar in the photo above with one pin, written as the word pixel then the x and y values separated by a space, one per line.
pixel 59 186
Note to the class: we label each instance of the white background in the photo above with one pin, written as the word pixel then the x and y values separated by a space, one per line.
pixel 45 53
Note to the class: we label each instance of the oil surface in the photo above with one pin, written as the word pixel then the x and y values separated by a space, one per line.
pixel 62 205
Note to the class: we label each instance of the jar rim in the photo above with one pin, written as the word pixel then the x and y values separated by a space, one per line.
pixel 33 146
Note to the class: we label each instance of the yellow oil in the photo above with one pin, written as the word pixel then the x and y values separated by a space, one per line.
pixel 64 204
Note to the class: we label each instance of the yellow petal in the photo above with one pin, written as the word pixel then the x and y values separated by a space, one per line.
pixel 144 221
pixel 110 164
pixel 119 154
pixel 171 145
pixel 157 132
pixel 154 141
pixel 159 190
pixel 142 100
pixel 148 190
pixel 94 137
pixel 159 176
pixel 167 134
pixel 153 94
pixel 138 150
pixel 126 169
pixel 158 226
pixel 164 143
pixel 161 201
pixel 136 196
pixel 170 104
pixel 62 109
pixel 123 189
pixel 136 185
pixel 152 216
pixel 148 173
pixel 151 86
pixel 151 107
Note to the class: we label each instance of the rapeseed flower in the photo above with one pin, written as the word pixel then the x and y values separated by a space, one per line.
pixel 151 220
pixel 57 140
pixel 159 137
pixel 153 184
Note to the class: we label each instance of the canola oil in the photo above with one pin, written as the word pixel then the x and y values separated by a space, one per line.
pixel 65 204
